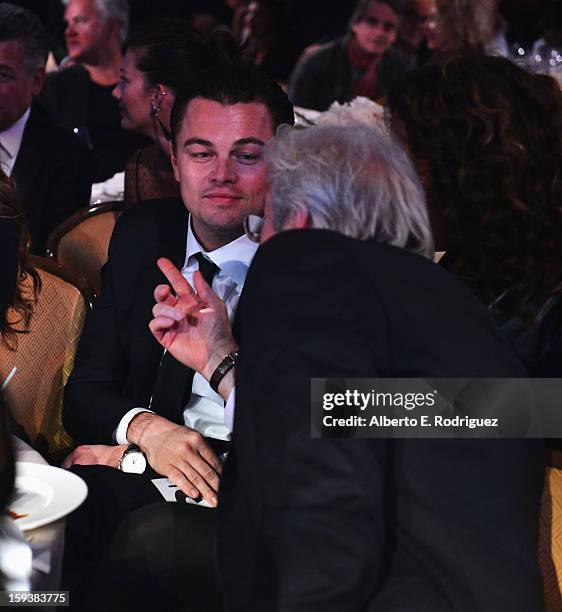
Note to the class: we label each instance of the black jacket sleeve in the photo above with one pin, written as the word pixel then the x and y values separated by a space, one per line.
pixel 96 396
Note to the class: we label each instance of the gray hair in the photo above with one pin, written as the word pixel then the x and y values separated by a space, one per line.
pixel 356 180
pixel 113 10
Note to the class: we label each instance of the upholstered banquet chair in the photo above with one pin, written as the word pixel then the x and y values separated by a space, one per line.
pixel 80 243
pixel 44 357
pixel 550 534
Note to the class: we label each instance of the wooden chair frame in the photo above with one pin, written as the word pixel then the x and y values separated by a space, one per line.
pixel 76 219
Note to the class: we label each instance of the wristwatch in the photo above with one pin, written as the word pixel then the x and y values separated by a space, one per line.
pixel 133 460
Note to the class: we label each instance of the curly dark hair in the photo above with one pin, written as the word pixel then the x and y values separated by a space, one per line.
pixel 23 301
pixel 486 137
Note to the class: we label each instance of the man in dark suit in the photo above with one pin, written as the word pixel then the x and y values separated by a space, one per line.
pixel 362 524
pixel 48 165
pixel 123 389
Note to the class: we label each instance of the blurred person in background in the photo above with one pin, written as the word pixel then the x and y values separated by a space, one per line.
pixel 160 58
pixel 48 165
pixel 363 63
pixel 79 95
pixel 467 24
pixel 412 33
pixel 268 37
pixel 494 202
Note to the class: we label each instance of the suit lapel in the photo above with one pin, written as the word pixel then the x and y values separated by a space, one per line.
pixel 172 387
pixel 28 162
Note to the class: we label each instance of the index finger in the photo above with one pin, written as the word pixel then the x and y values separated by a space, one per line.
pixel 175 277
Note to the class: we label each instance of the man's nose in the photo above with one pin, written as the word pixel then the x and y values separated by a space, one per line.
pixel 116 91
pixel 69 30
pixel 223 171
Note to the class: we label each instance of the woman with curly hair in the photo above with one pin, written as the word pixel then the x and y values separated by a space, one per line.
pixel 486 137
pixel 16 267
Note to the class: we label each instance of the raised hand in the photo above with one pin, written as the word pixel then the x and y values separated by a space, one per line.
pixel 192 325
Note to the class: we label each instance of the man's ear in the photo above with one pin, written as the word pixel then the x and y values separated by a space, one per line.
pixel 37 82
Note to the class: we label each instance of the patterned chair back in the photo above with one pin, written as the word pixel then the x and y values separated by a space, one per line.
pixel 80 244
pixel 44 358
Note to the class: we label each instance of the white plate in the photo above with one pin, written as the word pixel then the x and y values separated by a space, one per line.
pixel 44 494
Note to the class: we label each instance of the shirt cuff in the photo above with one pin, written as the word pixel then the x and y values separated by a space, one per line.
pixel 229 410
pixel 120 433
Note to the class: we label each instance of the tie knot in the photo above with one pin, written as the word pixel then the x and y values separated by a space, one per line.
pixel 207 268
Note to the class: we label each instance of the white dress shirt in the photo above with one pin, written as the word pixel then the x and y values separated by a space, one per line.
pixel 10 143
pixel 205 411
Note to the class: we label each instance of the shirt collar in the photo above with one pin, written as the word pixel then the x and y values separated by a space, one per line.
pixel 233 258
pixel 12 137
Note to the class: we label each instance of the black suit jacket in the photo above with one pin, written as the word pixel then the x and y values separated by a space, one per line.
pixel 51 173
pixel 349 525
pixel 67 94
pixel 118 358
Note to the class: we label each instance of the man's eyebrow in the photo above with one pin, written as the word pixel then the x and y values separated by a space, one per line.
pixel 249 140
pixel 239 143
pixel 7 68
pixel 198 141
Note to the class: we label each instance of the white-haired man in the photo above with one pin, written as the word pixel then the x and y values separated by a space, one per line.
pixel 79 95
pixel 356 524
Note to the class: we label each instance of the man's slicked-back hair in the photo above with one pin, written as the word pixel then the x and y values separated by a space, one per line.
pixel 19 24
pixel 355 180
pixel 233 84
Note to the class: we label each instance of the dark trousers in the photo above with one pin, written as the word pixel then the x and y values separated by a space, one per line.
pixel 127 549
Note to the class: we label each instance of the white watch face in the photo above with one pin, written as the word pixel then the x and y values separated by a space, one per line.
pixel 133 462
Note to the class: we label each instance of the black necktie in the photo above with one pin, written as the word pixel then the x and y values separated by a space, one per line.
pixel 172 388
pixel 207 268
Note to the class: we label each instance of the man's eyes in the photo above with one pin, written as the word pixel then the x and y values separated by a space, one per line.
pixel 244 157
pixel 248 158
pixel 200 154
pixel 6 77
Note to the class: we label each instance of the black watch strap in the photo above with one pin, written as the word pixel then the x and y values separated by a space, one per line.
pixel 222 370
